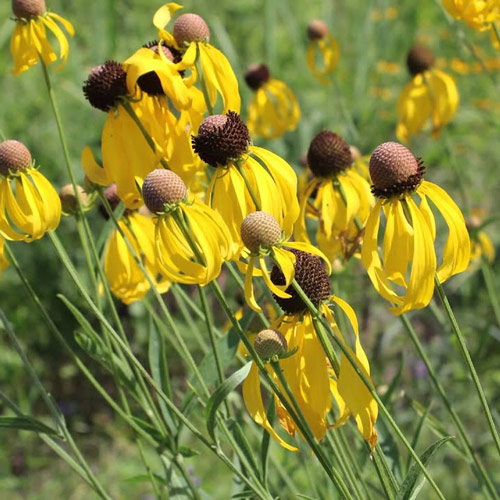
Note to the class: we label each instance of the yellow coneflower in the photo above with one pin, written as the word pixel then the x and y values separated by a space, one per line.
pixel 329 52
pixel 126 279
pixel 481 244
pixel 408 254
pixel 29 42
pixel 126 154
pixel 307 371
pixel 263 236
pixel 430 95
pixel 246 178
pixel 182 222
pixel 3 260
pixel 190 35
pixel 34 207
pixel 337 196
pixel 478 14
pixel 274 109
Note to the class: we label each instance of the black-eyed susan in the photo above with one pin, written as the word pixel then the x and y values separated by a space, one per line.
pixel 262 236
pixel 337 196
pixel 324 47
pixel 431 94
pixel 29 42
pixel 480 242
pixel 192 241
pixel 191 35
pixel 408 255
pixel 126 279
pixel 478 14
pixel 274 109
pixel 307 371
pixel 246 178
pixel 33 207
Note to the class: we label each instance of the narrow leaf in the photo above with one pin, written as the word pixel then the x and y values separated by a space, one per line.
pixel 408 490
pixel 221 393
pixel 27 424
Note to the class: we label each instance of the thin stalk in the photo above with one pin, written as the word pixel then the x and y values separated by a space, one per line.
pixel 447 403
pixel 187 299
pixel 491 288
pixel 211 335
pixel 187 479
pixel 56 413
pixel 317 316
pixel 468 362
pixel 248 186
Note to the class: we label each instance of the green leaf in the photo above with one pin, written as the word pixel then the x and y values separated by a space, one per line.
pixel 221 393
pixel 266 439
pixel 187 452
pixel 242 442
pixel 27 424
pixel 416 436
pixel 394 382
pixel 409 489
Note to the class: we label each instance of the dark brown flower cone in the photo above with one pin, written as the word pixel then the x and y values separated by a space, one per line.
pixel 328 154
pixel 26 9
pixel 419 59
pixel 106 85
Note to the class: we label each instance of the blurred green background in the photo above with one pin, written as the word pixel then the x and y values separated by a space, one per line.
pixel 464 160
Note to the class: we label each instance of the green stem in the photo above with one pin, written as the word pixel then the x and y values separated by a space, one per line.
pixel 492 290
pixel 447 403
pixel 468 362
pixel 249 187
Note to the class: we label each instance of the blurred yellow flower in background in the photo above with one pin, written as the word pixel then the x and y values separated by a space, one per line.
pixel 3 260
pixel 320 40
pixel 481 244
pixel 29 42
pixel 33 207
pixel 274 109
pixel 431 95
pixel 478 14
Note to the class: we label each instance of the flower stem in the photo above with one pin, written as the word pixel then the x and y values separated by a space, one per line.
pixel 490 286
pixel 468 362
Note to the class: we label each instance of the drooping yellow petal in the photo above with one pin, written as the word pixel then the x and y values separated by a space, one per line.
pixel 456 255
pixel 94 171
pixel 249 295
pixel 253 401
pixel 278 290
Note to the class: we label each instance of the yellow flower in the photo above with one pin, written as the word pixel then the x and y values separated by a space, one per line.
pixel 431 94
pixel 337 196
pixel 192 241
pixel 126 153
pixel 33 207
pixel 478 14
pixel 126 279
pixel 3 260
pixel 408 256
pixel 246 178
pixel 274 109
pixel 29 42
pixel 481 244
pixel 263 236
pixel 306 370
pixel 329 52
pixel 191 35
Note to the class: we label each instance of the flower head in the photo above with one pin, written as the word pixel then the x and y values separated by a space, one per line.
pixel 336 195
pixel 33 208
pixel 274 109
pixel 431 95
pixel 69 202
pixel 191 35
pixel 478 14
pixel 480 241
pixel 192 240
pixel 409 258
pixel 29 42
pixel 321 40
pixel 270 344
pixel 246 178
